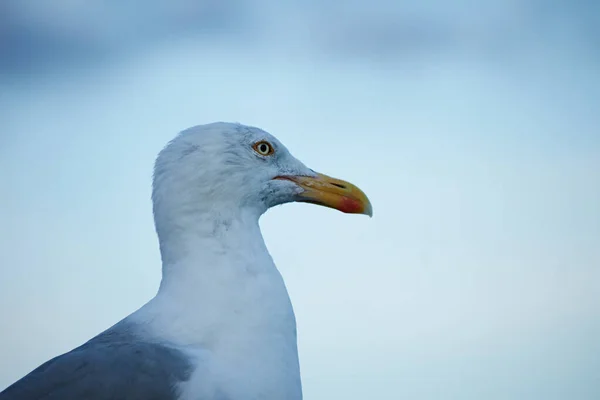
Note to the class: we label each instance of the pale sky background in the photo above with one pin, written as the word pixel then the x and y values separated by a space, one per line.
pixel 474 129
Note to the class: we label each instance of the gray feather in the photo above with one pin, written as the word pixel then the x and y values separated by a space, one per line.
pixel 115 365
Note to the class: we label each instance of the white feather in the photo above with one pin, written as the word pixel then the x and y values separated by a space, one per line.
pixel 222 299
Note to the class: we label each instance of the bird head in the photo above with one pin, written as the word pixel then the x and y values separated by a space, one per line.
pixel 226 166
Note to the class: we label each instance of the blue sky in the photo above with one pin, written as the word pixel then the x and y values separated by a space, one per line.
pixel 474 131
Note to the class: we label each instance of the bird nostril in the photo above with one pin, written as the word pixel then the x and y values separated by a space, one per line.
pixel 338 185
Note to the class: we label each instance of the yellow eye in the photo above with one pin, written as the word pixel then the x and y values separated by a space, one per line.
pixel 263 148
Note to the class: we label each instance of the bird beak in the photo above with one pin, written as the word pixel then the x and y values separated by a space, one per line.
pixel 333 193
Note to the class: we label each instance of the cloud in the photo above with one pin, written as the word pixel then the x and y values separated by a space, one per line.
pixel 68 31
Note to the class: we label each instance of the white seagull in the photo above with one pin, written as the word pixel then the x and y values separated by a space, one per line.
pixel 221 326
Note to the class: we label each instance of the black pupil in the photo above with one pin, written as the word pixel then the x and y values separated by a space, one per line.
pixel 264 148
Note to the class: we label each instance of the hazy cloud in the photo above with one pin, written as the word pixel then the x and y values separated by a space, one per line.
pixel 67 31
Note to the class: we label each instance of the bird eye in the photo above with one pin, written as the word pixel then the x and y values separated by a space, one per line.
pixel 263 148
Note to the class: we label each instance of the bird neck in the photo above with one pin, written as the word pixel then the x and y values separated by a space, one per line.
pixel 206 244
pixel 218 280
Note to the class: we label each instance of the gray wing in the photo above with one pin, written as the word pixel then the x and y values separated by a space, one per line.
pixel 114 365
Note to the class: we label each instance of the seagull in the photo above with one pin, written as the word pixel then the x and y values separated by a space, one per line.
pixel 221 326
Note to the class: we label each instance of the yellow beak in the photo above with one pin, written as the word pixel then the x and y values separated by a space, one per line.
pixel 333 193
